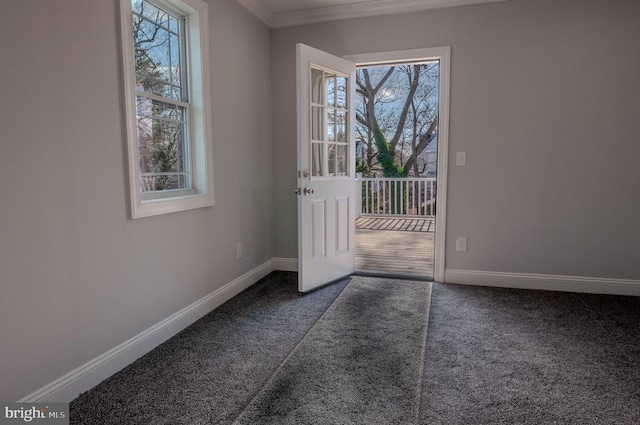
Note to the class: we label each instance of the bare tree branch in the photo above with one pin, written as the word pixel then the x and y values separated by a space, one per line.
pixel 362 120
pixel 405 109
pixel 383 80
pixel 422 144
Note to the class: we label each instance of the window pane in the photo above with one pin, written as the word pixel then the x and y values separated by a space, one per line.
pixel 342 92
pixel 341 126
pixel 317 159
pixel 332 159
pixel 136 6
pixel 157 52
pixel 161 147
pixel 174 60
pixel 163 181
pixel 316 86
pixel 150 12
pixel 330 81
pixel 174 24
pixel 144 38
pixel 161 141
pixel 341 160
pixel 316 123
pixel 331 129
pixel 153 58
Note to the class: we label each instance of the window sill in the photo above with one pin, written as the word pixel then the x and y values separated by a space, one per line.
pixel 151 207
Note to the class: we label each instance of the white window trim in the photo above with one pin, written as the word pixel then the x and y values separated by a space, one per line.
pixel 200 130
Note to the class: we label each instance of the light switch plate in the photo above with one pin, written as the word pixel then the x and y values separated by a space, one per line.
pixel 461 244
pixel 461 159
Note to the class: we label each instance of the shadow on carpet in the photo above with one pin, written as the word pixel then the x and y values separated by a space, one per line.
pixel 361 363
pixel 210 371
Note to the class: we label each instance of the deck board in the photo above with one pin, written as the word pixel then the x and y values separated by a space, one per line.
pixel 395 245
pixel 396 224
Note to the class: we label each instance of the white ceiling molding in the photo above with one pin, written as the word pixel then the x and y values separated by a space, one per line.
pixel 261 11
pixel 349 10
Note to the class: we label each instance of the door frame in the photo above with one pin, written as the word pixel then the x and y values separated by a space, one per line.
pixel 443 54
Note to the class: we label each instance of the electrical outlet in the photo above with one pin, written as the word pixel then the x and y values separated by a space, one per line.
pixel 461 244
pixel 239 250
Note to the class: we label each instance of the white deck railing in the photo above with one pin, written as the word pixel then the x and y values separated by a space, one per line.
pixel 408 197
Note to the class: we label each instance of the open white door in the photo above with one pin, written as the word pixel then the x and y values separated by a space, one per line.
pixel 326 168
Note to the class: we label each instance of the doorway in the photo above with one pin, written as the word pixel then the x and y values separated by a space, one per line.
pixel 401 157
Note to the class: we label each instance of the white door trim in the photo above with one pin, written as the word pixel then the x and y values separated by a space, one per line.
pixel 443 54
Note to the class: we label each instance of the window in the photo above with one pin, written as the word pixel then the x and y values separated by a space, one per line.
pixel 329 124
pixel 165 48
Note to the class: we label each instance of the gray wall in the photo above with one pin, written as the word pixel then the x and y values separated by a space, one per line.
pixel 77 276
pixel 544 100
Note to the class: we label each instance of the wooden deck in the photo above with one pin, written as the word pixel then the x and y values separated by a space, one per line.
pixel 395 245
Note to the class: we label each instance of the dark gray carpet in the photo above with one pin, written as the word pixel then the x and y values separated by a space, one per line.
pixel 360 364
pixel 503 356
pixel 208 373
pixel 493 356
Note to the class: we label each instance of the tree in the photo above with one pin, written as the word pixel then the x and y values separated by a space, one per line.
pixel 160 140
pixel 397 115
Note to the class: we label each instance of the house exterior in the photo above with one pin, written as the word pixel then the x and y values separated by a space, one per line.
pixel 428 159
pixel 86 289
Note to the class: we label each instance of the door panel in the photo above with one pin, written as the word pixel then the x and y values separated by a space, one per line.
pixel 326 168
pixel 319 229
pixel 342 225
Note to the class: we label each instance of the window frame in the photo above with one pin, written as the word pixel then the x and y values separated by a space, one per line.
pixel 320 104
pixel 199 127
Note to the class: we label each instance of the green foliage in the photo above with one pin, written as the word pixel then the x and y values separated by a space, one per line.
pixel 362 167
pixel 165 158
pixel 386 157
pixel 428 209
pixel 166 150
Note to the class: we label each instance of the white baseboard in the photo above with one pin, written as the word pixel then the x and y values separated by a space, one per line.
pixel 546 282
pixel 85 377
pixel 285 264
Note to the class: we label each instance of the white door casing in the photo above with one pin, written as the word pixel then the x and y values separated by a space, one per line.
pixel 443 55
pixel 326 167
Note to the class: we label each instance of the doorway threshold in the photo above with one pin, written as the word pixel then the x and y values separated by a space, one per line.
pixel 393 275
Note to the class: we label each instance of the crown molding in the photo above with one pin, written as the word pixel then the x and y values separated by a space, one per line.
pixel 261 11
pixel 350 11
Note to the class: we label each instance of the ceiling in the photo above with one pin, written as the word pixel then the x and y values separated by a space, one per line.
pixel 282 13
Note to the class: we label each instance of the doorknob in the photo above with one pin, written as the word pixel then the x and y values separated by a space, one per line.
pixel 307 191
